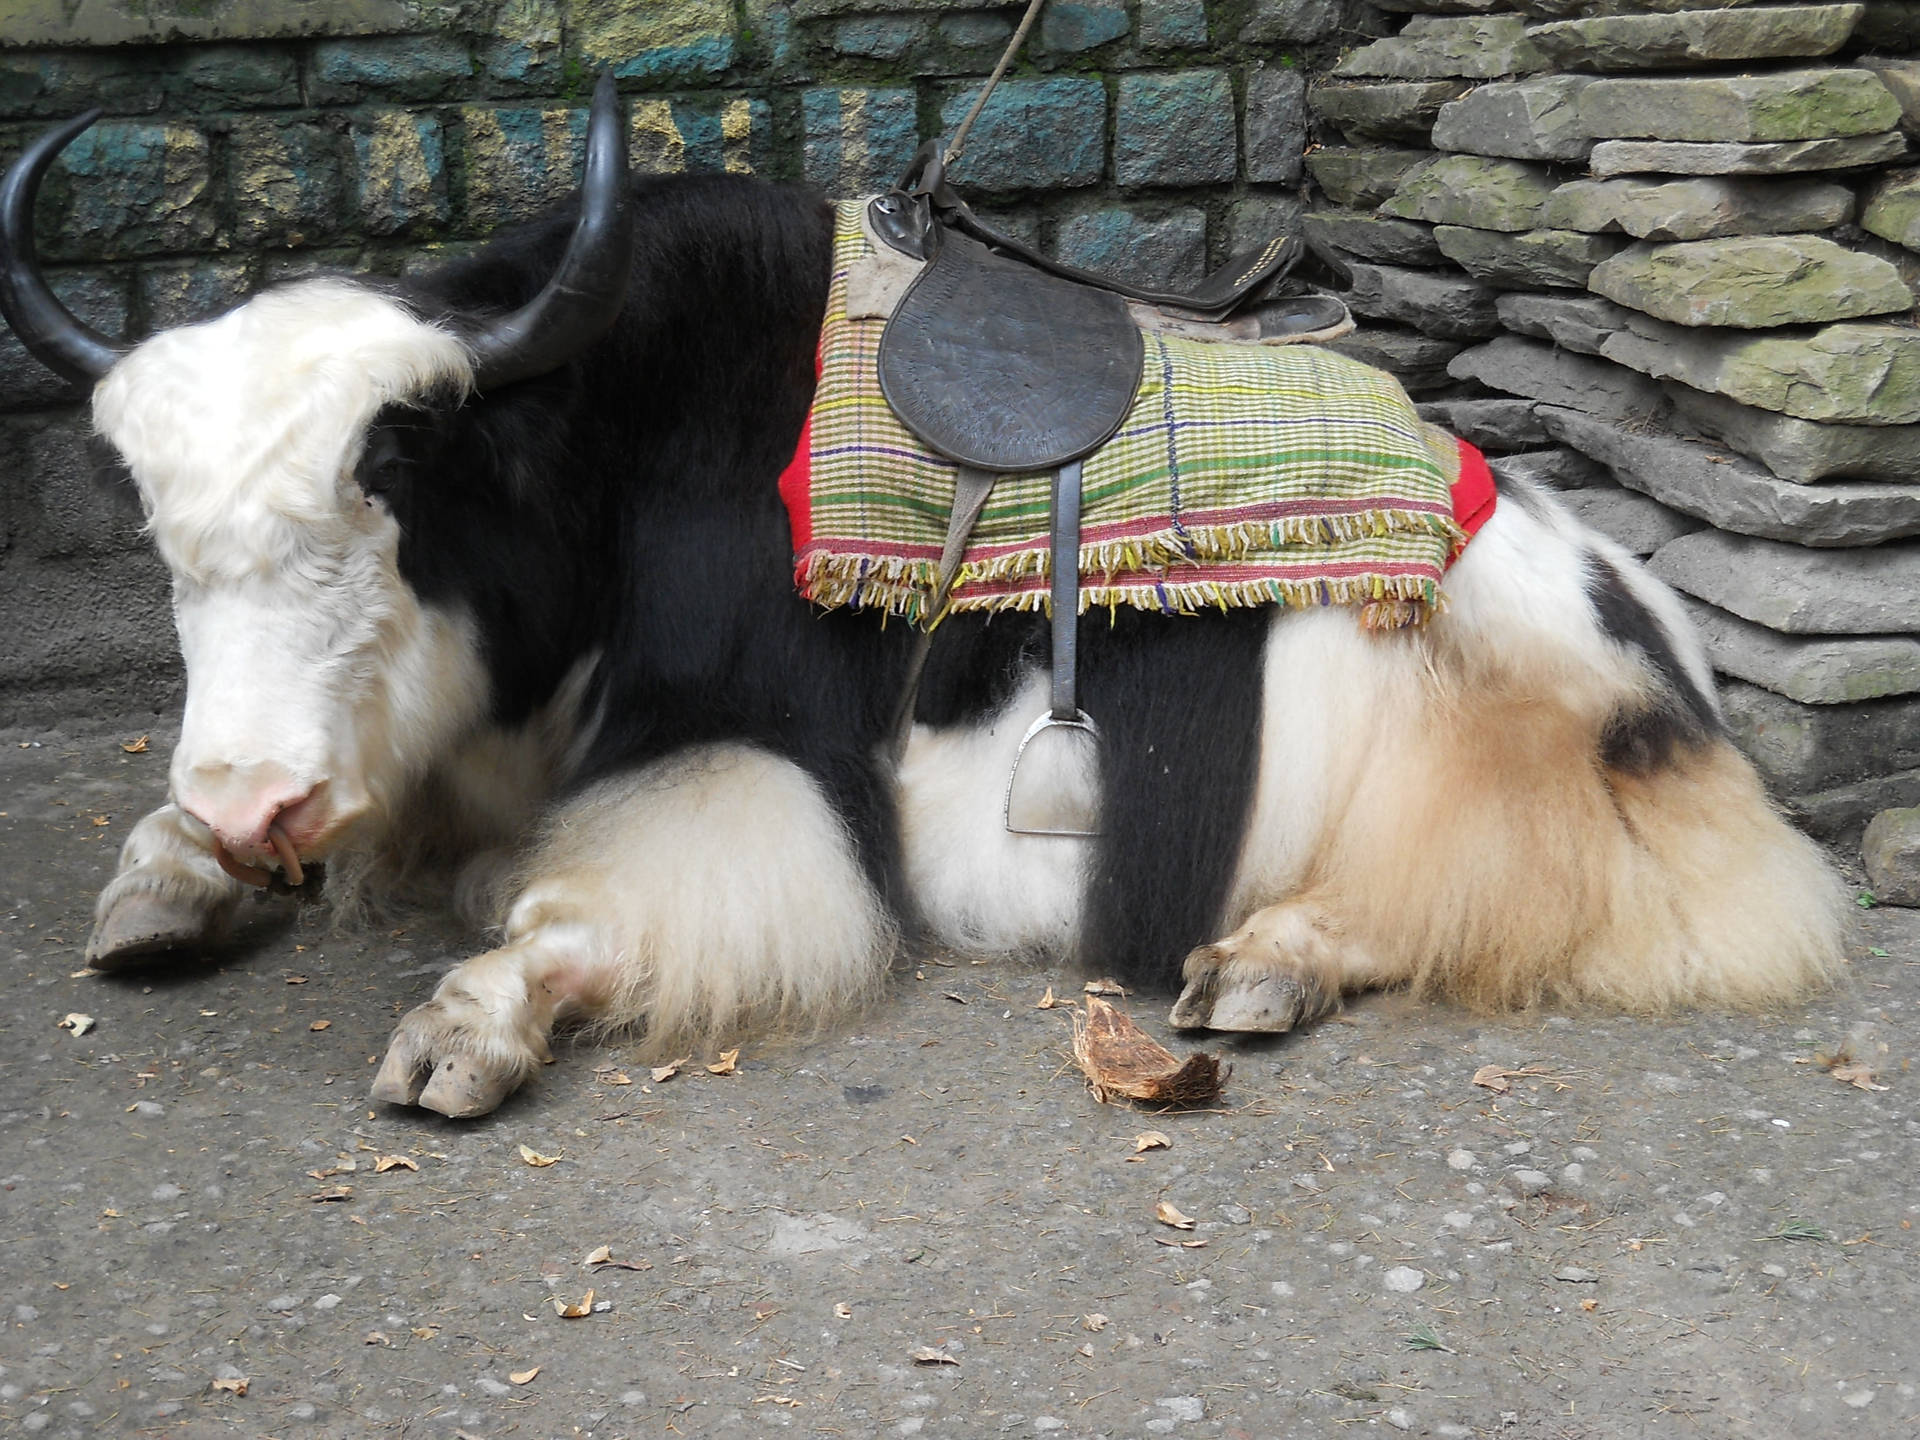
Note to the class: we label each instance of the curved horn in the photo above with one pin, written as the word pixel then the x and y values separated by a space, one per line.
pixel 44 325
pixel 582 300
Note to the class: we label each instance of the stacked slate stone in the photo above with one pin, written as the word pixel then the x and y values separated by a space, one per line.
pixel 1665 253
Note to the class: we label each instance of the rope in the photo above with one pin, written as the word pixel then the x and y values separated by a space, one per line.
pixel 1006 59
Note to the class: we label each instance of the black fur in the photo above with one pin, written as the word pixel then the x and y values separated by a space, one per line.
pixel 628 504
pixel 1647 738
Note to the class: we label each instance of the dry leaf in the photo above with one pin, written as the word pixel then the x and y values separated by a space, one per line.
pixel 1589 1305
pixel 384 1163
pixel 614 1077
pixel 599 1255
pixel 1168 1215
pixel 236 1386
pixel 425 1332
pixel 296 979
pixel 1048 1002
pixel 727 1063
pixel 927 1355
pixel 1856 1073
pixel 321 1025
pixel 1151 1140
pixel 332 1192
pixel 584 1306
pixel 1119 1058
pixel 135 747
pixel 844 1311
pixel 1104 987
pixel 1494 1078
pixel 76 1022
pixel 663 1073
pixel 1085 1350
pixel 536 1159
pixel 375 1337
pixel 1179 1244
pixel 524 1377
pixel 1096 1322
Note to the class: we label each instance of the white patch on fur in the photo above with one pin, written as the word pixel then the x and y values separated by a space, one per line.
pixel 980 887
pixel 310 661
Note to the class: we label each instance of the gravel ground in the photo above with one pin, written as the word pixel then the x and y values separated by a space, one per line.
pixel 1673 1227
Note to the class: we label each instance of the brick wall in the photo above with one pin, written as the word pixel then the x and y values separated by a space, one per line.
pixel 248 140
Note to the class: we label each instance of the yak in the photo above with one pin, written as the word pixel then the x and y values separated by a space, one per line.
pixel 488 569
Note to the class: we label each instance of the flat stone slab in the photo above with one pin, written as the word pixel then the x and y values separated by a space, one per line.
pixel 1734 493
pixel 1637 523
pixel 1432 302
pixel 1528 259
pixel 1815 670
pixel 1469 47
pixel 1890 852
pixel 1892 208
pixel 1790 105
pixel 1369 237
pixel 1837 815
pixel 1790 588
pixel 1573 322
pixel 1702 209
pixel 1783 157
pixel 1555 468
pixel 1902 79
pixel 1361 178
pixel 1469 190
pixel 1418 361
pixel 1536 119
pixel 1540 372
pixel 1396 112
pixel 1491 424
pixel 1751 282
pixel 1856 373
pixel 1651 42
pixel 1800 450
pixel 1574 9
pixel 1811 748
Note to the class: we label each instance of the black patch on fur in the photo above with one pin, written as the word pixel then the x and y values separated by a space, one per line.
pixel 1644 739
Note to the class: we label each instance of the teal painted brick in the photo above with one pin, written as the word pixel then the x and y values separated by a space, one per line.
pixel 523 52
pixel 769 32
pixel 178 292
pixel 1276 126
pixel 1175 129
pixel 1068 27
pixel 284 178
pixel 401 67
pixel 877 37
pixel 129 188
pixel 1173 24
pixel 857 140
pixel 231 77
pixel 400 172
pixel 98 297
pixel 1169 252
pixel 976 32
pixel 520 160
pixel 655 39
pixel 1032 135
pixel 53 83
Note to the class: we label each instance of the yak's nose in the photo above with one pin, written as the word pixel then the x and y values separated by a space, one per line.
pixel 239 803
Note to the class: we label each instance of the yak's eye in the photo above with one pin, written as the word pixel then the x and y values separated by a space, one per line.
pixel 383 468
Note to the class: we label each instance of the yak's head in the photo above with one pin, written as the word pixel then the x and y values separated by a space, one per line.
pixel 319 681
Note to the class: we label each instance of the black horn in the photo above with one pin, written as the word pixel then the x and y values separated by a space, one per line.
pixel 582 300
pixel 44 325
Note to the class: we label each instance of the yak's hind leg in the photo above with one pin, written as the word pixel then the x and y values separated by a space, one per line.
pixel 169 893
pixel 709 896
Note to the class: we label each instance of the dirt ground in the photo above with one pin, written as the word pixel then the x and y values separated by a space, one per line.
pixel 1684 1227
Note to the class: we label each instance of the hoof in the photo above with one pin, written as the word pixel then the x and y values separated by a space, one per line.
pixel 140 927
pixel 1251 999
pixel 438 1063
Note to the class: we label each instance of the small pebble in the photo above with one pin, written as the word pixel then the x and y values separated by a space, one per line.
pixel 493 1387
pixel 1400 1419
pixel 302 1411
pixel 1183 1407
pixel 1859 1399
pixel 1403 1279
pixel 1530 1182
pixel 326 1302
pixel 148 1107
pixel 1461 1160
pixel 1576 1275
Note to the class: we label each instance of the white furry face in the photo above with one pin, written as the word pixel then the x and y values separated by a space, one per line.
pixel 318 684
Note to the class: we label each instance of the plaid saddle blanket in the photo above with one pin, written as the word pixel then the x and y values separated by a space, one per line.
pixel 1243 475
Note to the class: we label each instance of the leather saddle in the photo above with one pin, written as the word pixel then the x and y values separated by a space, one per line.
pixel 1001 358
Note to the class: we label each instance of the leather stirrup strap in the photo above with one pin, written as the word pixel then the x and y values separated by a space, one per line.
pixel 1066 590
pixel 970 490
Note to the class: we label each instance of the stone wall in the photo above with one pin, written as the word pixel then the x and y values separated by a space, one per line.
pixel 1663 258
pixel 248 140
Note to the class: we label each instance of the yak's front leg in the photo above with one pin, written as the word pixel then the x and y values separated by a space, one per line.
pixel 708 897
pixel 1287 966
pixel 168 894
